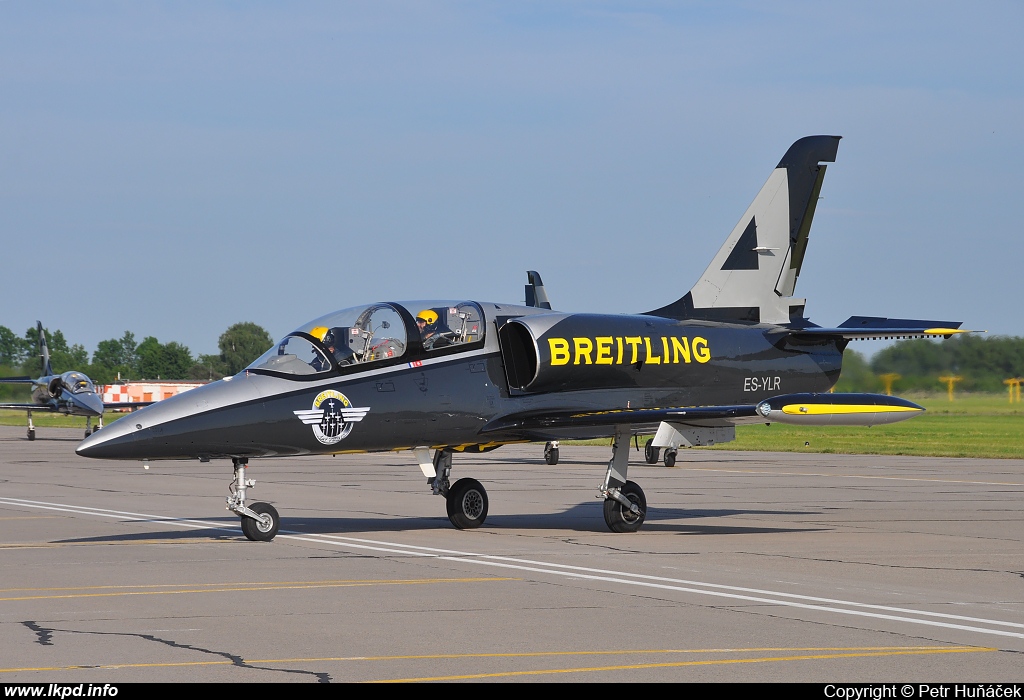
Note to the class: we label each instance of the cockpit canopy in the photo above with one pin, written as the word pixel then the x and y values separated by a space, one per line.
pixel 77 383
pixel 379 333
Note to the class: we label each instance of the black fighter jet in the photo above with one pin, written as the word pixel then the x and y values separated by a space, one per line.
pixel 441 377
pixel 70 393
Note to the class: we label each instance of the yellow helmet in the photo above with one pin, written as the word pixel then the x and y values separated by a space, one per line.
pixel 428 316
pixel 319 332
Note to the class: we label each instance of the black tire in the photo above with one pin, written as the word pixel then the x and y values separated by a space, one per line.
pixel 467 504
pixel 619 517
pixel 651 453
pixel 31 435
pixel 670 458
pixel 257 531
pixel 88 433
pixel 550 454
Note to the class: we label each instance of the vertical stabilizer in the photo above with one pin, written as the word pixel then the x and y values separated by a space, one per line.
pixel 44 352
pixel 753 276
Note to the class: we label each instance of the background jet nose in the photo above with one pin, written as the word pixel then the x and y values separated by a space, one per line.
pixel 89 402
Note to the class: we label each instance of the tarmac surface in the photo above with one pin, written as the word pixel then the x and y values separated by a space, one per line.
pixel 751 567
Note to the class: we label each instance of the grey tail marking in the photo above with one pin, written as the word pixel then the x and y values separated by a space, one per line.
pixel 753 276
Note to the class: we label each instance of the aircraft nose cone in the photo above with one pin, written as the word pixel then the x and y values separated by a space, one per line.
pixel 84 404
pixel 93 402
pixel 110 442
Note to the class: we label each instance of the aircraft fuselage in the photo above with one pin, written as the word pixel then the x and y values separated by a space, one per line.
pixel 539 362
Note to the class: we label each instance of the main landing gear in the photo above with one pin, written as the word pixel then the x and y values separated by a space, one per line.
pixel 651 454
pixel 466 499
pixel 551 453
pixel 259 521
pixel 625 505
pixel 31 428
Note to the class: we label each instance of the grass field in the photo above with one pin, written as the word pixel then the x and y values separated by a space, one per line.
pixel 978 425
pixel 52 420
pixel 974 425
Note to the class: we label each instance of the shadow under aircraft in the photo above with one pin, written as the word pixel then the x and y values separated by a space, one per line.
pixel 70 393
pixel 441 377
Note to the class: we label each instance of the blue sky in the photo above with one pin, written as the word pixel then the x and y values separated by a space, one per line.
pixel 172 168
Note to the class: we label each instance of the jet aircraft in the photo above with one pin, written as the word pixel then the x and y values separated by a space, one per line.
pixel 442 377
pixel 71 393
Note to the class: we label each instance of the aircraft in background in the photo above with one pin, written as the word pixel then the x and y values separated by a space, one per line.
pixel 443 377
pixel 71 393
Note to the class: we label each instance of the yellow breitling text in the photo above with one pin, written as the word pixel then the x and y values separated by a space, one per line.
pixel 628 350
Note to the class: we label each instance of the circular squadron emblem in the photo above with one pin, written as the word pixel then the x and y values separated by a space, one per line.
pixel 332 416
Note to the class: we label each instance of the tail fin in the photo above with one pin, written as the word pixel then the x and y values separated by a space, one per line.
pixel 535 294
pixel 753 276
pixel 44 352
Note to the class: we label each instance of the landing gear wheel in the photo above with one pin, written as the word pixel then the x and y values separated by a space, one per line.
pixel 467 504
pixel 619 517
pixel 670 458
pixel 651 453
pixel 88 433
pixel 550 454
pixel 258 531
pixel 31 435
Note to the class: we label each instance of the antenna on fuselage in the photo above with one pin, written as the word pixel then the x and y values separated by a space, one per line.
pixel 535 294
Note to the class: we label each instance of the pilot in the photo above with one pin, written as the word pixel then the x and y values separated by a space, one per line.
pixel 431 330
pixel 320 363
pixel 334 340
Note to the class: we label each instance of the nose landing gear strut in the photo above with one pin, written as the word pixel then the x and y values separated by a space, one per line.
pixel 259 521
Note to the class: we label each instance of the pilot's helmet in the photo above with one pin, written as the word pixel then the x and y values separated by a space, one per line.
pixel 429 317
pixel 319 332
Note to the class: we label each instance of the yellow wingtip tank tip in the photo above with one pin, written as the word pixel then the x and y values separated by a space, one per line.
pixel 947 331
pixel 839 409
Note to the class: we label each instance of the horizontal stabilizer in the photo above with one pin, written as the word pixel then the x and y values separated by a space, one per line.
pixel 878 328
pixel 837 409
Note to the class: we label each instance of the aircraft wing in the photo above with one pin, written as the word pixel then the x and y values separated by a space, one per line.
pixel 18 380
pixel 26 407
pixel 879 328
pixel 796 409
pixel 128 404
pixel 705 415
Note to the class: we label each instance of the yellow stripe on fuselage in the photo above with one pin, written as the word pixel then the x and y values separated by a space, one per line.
pixel 824 409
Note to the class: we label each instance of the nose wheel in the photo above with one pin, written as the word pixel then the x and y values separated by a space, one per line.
pixel 265 528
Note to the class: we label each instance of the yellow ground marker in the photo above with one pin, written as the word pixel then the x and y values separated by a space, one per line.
pixel 822 653
pixel 112 591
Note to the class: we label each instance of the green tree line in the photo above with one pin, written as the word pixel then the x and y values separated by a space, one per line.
pixel 131 360
pixel 982 361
